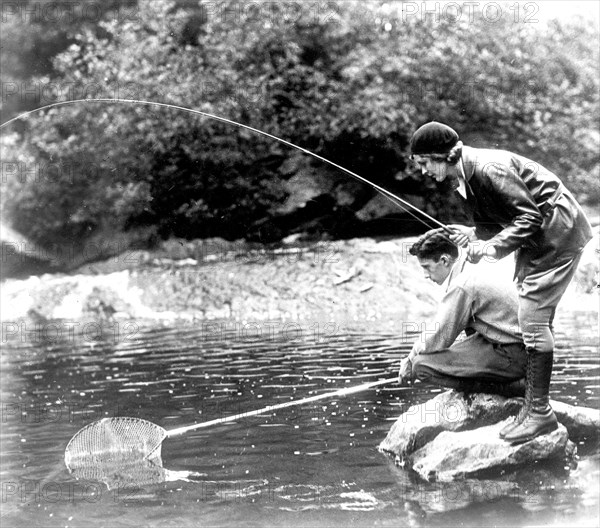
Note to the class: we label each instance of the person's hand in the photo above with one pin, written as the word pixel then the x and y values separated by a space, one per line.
pixel 461 235
pixel 475 252
pixel 405 374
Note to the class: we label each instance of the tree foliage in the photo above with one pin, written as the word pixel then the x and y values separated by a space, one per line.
pixel 350 84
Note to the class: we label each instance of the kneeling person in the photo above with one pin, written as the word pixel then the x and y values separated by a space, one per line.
pixel 491 358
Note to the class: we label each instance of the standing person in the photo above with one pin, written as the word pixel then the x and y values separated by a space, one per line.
pixel 492 356
pixel 517 205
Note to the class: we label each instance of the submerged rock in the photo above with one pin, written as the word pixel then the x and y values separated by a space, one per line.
pixel 526 488
pixel 454 435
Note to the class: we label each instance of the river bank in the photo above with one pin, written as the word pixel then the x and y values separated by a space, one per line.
pixel 356 279
pixel 349 281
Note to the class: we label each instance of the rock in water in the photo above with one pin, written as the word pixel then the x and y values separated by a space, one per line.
pixel 452 411
pixel 452 435
pixel 453 455
pixel 582 423
pixel 448 411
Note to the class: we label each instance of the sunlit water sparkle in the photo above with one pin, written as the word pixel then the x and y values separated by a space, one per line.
pixel 312 465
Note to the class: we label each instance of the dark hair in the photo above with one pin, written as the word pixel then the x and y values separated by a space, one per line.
pixel 455 154
pixel 432 245
pixel 451 157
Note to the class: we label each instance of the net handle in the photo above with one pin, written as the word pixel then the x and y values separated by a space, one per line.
pixel 235 417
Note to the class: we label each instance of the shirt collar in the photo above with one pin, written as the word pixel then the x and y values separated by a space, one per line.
pixel 456 269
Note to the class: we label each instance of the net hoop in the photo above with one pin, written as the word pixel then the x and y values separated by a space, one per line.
pixel 114 439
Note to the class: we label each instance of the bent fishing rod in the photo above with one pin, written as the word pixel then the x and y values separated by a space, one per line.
pixel 403 204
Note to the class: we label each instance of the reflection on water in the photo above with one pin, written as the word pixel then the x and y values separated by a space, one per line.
pixel 315 464
pixel 121 472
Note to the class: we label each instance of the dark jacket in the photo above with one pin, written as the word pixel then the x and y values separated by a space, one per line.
pixel 519 205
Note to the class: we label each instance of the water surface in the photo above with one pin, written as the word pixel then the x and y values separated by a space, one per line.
pixel 312 465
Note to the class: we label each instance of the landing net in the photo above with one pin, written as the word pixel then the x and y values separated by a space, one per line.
pixel 114 440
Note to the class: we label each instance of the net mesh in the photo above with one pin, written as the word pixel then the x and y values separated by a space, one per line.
pixel 123 472
pixel 114 441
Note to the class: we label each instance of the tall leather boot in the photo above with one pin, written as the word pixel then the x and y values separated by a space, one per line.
pixel 525 408
pixel 536 417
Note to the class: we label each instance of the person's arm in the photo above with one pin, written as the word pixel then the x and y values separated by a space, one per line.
pixel 453 314
pixel 509 192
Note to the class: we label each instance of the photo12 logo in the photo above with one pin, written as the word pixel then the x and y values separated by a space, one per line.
pixel 64 331
pixel 65 412
pixel 44 93
pixel 50 492
pixel 488 12
pixel 274 331
pixel 68 12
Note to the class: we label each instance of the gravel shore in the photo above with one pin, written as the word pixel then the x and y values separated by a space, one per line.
pixel 359 280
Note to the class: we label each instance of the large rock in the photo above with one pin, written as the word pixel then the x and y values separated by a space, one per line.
pixel 448 411
pixel 452 411
pixel 452 436
pixel 453 455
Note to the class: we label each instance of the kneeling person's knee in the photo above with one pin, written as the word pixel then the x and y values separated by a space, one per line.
pixel 421 369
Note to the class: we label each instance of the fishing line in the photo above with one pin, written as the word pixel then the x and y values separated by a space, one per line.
pixel 403 204
pixel 126 437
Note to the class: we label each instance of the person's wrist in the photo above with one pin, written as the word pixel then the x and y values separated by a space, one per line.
pixel 491 252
